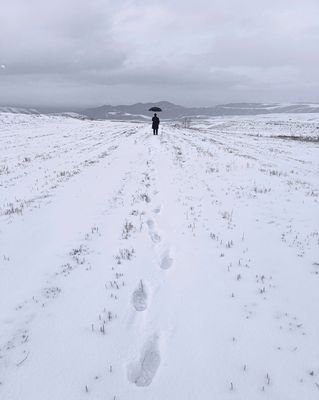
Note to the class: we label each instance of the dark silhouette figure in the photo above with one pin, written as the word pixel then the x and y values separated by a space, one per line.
pixel 155 124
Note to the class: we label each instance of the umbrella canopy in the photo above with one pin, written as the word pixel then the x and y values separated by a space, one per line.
pixel 155 109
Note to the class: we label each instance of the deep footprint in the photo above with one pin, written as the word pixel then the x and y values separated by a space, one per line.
pixel 167 260
pixel 139 297
pixel 150 224
pixel 153 234
pixel 142 372
pixel 155 237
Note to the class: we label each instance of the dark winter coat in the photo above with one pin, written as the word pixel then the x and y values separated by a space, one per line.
pixel 155 123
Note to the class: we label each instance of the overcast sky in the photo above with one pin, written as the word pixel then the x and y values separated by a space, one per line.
pixel 199 52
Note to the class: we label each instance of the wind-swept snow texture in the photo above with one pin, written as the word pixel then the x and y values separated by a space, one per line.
pixel 179 266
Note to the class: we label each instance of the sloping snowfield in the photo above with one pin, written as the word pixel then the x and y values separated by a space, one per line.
pixel 182 266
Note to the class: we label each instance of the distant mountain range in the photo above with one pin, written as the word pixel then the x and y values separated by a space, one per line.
pixel 173 111
pixel 19 110
pixel 139 111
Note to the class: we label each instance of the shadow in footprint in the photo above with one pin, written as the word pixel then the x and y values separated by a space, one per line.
pixel 142 371
pixel 139 297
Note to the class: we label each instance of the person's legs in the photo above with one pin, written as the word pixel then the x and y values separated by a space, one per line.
pixel 154 133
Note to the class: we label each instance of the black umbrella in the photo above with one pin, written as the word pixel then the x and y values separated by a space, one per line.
pixel 155 109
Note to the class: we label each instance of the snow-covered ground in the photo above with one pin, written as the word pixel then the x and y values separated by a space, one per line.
pixel 179 266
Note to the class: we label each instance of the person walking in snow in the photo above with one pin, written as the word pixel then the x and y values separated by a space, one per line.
pixel 155 124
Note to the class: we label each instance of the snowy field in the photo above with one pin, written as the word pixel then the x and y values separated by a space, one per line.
pixel 183 266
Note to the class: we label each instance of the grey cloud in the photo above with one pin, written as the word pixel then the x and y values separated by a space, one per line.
pixel 57 38
pixel 130 50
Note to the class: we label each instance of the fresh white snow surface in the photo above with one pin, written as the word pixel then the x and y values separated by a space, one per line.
pixel 179 266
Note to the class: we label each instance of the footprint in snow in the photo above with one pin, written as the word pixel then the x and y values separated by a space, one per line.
pixel 142 371
pixel 167 260
pixel 150 224
pixel 157 210
pixel 156 238
pixel 139 297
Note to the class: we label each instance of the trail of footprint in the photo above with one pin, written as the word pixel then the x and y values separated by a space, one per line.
pixel 142 371
pixel 139 297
